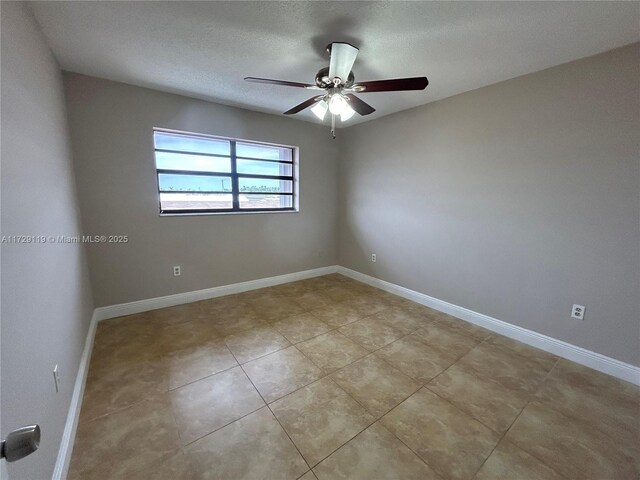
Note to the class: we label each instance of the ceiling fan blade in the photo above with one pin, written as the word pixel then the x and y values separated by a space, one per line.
pixel 280 82
pixel 392 85
pixel 342 58
pixel 303 105
pixel 360 106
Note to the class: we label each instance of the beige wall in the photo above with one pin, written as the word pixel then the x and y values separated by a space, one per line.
pixel 515 200
pixel 111 125
pixel 46 298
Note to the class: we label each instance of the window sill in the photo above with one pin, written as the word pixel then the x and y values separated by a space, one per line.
pixel 206 214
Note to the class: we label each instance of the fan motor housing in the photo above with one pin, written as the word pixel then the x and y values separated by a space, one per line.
pixel 323 80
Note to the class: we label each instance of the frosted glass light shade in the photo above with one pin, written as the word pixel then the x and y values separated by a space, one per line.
pixel 320 109
pixel 337 104
pixel 347 113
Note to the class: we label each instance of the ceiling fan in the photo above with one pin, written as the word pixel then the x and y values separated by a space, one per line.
pixel 338 85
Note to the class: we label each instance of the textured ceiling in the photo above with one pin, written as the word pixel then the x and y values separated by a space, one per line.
pixel 204 49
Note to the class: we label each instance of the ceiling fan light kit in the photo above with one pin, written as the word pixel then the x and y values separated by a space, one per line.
pixel 338 82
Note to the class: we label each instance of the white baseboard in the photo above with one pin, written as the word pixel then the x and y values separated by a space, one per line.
pixel 69 434
pixel 112 311
pixel 103 313
pixel 602 363
pixel 562 349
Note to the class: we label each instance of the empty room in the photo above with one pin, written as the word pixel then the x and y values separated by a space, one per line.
pixel 318 240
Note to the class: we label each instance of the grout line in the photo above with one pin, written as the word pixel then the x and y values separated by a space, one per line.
pixel 277 420
pixel 377 419
pixel 328 377
pixel 239 418
pixel 531 395
pixel 433 469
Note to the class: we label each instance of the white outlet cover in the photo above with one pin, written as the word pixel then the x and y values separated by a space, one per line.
pixel 577 311
pixel 374 258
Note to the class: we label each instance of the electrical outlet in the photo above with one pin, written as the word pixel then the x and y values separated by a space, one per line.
pixel 577 312
pixel 56 378
pixel 374 258
pixel 177 271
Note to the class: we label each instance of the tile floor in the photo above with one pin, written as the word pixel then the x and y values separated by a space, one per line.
pixel 328 378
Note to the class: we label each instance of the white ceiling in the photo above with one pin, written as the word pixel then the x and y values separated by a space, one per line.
pixel 204 49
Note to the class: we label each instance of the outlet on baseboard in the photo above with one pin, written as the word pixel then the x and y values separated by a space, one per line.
pixel 577 312
pixel 177 271
pixel 374 258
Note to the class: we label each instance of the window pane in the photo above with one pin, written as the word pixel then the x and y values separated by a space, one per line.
pixel 186 143
pixel 265 201
pixel 176 161
pixel 267 152
pixel 195 201
pixel 256 167
pixel 264 185
pixel 198 183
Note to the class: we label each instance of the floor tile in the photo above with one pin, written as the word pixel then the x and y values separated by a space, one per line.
pixel 546 360
pixel 124 341
pixel 115 331
pixel 332 351
pixel 367 304
pixel 400 318
pixel 159 374
pixel 370 333
pixel 572 448
pixel 254 447
pixel 91 456
pixel 426 313
pixel 178 314
pixel 282 372
pixel 607 403
pixel 132 439
pixel 320 418
pixel 294 289
pixel 187 334
pixel 445 340
pixel 313 299
pixel 415 358
pixel 298 328
pixel 390 298
pixel 339 293
pixel 105 470
pixel 226 307
pixel 308 476
pixel 255 343
pixel 193 363
pixel 337 314
pixel 173 467
pixel 375 384
pixel 274 308
pixel 488 401
pixel 508 462
pixel 461 326
pixel 237 319
pixel 121 387
pixel 451 442
pixel 213 402
pixel 374 454
pixel 510 369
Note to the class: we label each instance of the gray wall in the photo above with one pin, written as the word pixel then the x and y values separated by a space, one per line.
pixel 515 200
pixel 46 299
pixel 111 125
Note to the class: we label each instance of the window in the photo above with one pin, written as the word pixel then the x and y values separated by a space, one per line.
pixel 204 174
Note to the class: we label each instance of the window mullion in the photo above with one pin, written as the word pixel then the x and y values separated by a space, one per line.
pixel 234 177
